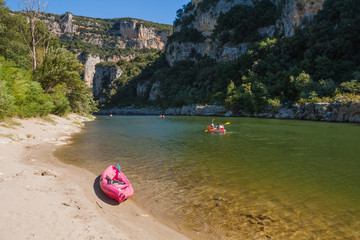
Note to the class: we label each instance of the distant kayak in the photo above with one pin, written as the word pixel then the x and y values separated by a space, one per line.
pixel 162 116
pixel 115 184
pixel 211 129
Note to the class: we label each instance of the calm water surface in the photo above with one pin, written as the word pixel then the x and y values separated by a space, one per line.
pixel 264 178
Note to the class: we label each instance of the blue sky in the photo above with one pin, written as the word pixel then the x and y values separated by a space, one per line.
pixel 160 11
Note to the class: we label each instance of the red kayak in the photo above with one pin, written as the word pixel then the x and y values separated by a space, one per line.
pixel 221 130
pixel 115 184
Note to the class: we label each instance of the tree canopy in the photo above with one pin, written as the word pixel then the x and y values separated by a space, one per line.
pixel 55 86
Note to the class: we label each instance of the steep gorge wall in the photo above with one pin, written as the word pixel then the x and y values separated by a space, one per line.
pixel 124 33
pixel 119 33
pixel 90 68
pixel 292 14
pixel 103 78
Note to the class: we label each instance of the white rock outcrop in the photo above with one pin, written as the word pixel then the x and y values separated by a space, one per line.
pixel 293 12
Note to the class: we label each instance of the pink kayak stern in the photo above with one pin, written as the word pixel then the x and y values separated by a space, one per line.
pixel 115 184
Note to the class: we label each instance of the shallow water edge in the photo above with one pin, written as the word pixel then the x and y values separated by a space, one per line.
pixel 265 177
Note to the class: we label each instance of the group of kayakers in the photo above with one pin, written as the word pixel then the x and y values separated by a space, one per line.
pixel 218 126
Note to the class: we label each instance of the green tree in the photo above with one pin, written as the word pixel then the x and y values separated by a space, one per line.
pixel 352 86
pixel 60 67
pixel 12 45
pixel 60 74
pixel 22 96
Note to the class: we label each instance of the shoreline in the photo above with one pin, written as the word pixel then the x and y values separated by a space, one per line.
pixel 328 112
pixel 42 196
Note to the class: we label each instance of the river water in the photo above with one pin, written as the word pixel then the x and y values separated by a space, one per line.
pixel 263 179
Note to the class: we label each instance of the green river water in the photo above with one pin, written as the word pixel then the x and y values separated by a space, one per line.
pixel 263 179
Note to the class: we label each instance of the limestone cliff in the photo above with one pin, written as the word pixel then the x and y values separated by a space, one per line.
pixel 90 68
pixel 203 16
pixel 121 33
pixel 103 78
pixel 102 40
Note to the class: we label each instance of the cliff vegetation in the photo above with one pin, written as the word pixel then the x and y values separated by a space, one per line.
pixel 320 62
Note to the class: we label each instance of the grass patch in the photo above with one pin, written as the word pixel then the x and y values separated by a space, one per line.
pixel 89 116
pixel 49 119
pixel 10 136
pixel 9 123
pixel 78 123
pixel 7 126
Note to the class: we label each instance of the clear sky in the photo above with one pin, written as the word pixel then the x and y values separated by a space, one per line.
pixel 159 11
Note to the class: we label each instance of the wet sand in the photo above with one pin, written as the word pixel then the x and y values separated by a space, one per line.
pixel 42 198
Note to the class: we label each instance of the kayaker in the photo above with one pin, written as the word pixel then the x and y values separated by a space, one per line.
pixel 212 124
pixel 218 126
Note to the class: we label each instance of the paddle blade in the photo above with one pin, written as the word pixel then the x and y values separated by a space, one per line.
pixel 119 167
pixel 206 130
pixel 227 123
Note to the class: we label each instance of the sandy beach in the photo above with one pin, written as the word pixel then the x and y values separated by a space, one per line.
pixel 43 198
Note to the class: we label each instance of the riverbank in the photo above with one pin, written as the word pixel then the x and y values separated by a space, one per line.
pixel 41 197
pixel 331 112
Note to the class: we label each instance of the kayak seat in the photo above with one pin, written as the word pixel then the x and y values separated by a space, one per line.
pixel 112 181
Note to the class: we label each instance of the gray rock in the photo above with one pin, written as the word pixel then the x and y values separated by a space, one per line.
pixel 228 114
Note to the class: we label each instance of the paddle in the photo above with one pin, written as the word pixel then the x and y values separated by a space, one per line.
pixel 119 171
pixel 212 122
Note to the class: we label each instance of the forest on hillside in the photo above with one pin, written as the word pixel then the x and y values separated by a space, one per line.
pixel 320 63
pixel 37 76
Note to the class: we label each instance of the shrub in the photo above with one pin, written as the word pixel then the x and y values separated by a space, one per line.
pixel 21 96
pixel 61 102
pixel 35 103
pixel 352 86
pixel 274 104
pixel 6 100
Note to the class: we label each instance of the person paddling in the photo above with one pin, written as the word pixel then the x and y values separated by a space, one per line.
pixel 220 126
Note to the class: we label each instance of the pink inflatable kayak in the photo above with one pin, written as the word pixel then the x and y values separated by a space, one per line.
pixel 114 184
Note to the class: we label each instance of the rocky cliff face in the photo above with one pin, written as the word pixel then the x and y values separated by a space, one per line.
pixel 154 88
pixel 290 15
pixel 90 68
pixel 295 11
pixel 111 34
pixel 103 77
pixel 89 65
pixel 121 33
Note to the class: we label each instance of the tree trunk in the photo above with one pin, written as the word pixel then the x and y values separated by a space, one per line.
pixel 32 16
